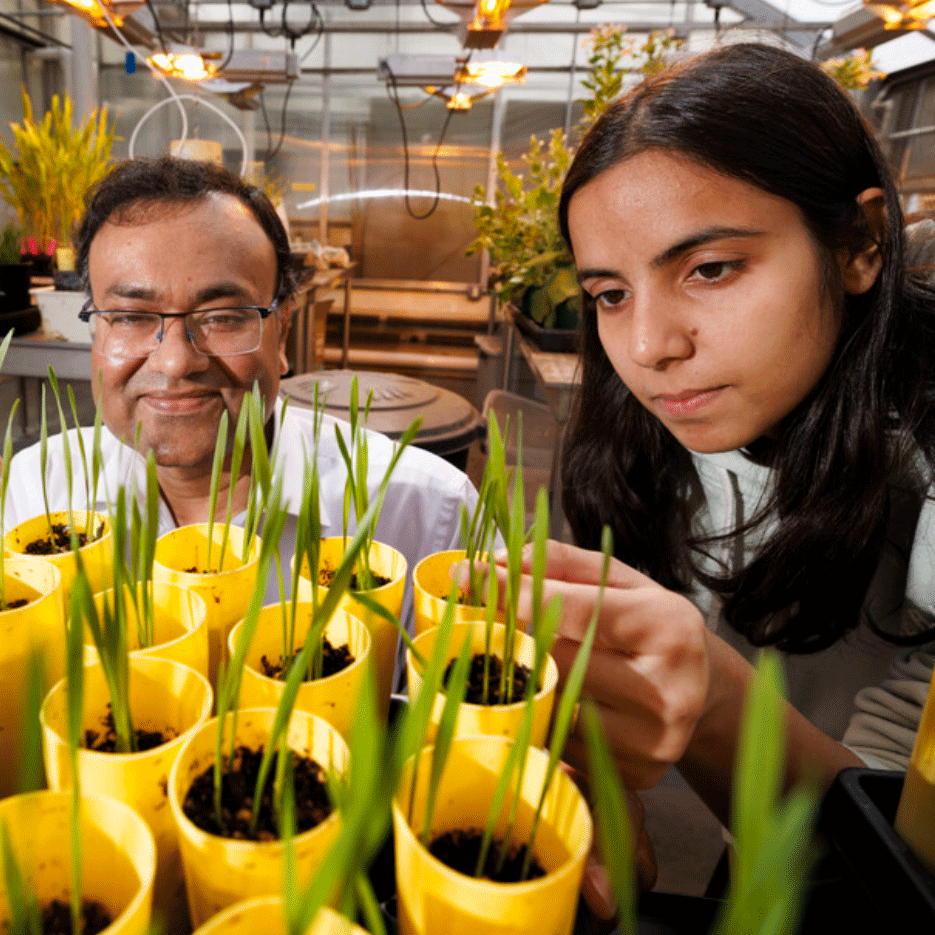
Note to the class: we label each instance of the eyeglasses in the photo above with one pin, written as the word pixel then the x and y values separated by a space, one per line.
pixel 126 334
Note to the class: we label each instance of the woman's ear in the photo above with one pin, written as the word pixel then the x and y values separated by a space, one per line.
pixel 861 268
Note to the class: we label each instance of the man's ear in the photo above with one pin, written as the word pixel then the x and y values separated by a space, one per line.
pixel 285 322
pixel 861 268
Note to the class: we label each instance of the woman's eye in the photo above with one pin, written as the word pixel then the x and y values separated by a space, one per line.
pixel 610 298
pixel 715 270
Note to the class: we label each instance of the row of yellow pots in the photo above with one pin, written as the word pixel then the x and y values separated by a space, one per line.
pixel 358 637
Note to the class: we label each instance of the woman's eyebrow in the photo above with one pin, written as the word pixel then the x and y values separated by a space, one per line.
pixel 699 239
pixel 676 250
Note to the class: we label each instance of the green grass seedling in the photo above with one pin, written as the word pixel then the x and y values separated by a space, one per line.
pixel 31 775
pixel 772 832
pixel 355 491
pixel 25 918
pixel 109 627
pixel 611 820
pixel 4 483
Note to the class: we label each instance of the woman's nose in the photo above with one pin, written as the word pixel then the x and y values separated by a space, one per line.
pixel 658 334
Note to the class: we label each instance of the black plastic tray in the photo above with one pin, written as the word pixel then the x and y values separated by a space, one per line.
pixel 857 823
pixel 558 340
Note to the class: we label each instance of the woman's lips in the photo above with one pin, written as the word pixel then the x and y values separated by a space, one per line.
pixel 688 403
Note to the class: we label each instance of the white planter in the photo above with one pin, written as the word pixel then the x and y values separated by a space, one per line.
pixel 60 314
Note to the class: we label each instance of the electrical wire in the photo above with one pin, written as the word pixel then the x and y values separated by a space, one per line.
pixel 394 97
pixel 271 151
pixel 446 26
pixel 173 96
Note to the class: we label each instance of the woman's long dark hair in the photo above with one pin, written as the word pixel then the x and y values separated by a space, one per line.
pixel 773 120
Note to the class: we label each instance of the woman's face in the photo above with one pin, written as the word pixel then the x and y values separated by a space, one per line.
pixel 710 296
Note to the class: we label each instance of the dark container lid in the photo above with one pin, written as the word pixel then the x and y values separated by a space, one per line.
pixel 449 422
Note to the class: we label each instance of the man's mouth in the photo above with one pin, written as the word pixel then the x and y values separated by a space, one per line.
pixel 178 403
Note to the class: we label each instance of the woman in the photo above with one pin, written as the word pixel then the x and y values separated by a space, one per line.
pixel 755 422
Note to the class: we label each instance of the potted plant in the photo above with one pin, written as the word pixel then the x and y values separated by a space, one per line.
pixel 530 265
pixel 135 713
pixel 62 537
pixel 508 666
pixel 218 561
pixel 45 174
pixel 30 627
pixel 71 863
pixel 376 591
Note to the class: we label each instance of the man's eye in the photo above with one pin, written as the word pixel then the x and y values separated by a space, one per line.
pixel 129 320
pixel 224 319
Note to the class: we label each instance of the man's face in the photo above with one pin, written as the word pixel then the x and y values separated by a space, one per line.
pixel 176 259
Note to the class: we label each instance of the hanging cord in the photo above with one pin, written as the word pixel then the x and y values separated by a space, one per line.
pixel 173 96
pixel 315 21
pixel 394 97
pixel 445 26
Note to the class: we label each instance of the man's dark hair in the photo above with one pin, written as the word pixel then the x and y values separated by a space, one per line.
pixel 134 189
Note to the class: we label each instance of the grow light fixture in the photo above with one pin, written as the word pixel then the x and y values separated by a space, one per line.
pixel 912 14
pixel 185 62
pixel 93 10
pixel 485 21
pixel 490 73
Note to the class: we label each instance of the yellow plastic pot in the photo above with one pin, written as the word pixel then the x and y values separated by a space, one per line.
pixel 164 695
pixel 915 815
pixel 502 720
pixel 97 556
pixel 264 916
pixel 334 698
pixel 431 582
pixel 119 856
pixel 225 593
pixel 433 898
pixel 35 628
pixel 388 563
pixel 180 631
pixel 221 871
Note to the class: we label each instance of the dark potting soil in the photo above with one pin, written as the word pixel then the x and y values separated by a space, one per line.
pixel 105 741
pixel 56 918
pixel 326 576
pixel 11 605
pixel 334 659
pixel 459 850
pixel 475 687
pixel 60 540
pixel 195 570
pixel 312 804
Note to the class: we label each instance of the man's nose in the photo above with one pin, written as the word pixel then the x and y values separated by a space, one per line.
pixel 175 355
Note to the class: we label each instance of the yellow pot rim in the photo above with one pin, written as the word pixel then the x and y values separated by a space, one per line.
pixel 193 577
pixel 383 587
pixel 526 886
pixel 347 670
pixel 20 559
pixel 189 828
pixel 549 677
pixel 58 515
pixel 92 756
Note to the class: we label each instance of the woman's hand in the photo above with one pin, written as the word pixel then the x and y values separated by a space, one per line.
pixel 648 673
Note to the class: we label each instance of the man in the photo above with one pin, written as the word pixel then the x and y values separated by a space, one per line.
pixel 169 244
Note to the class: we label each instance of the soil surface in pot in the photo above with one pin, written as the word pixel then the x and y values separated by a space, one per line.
pixel 326 576
pixel 334 659
pixel 105 740
pixel 12 605
pixel 56 918
pixel 60 540
pixel 312 805
pixel 460 850
pixel 475 686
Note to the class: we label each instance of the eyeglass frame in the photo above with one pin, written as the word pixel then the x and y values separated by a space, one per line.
pixel 88 309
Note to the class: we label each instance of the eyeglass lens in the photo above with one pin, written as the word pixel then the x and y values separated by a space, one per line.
pixel 218 332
